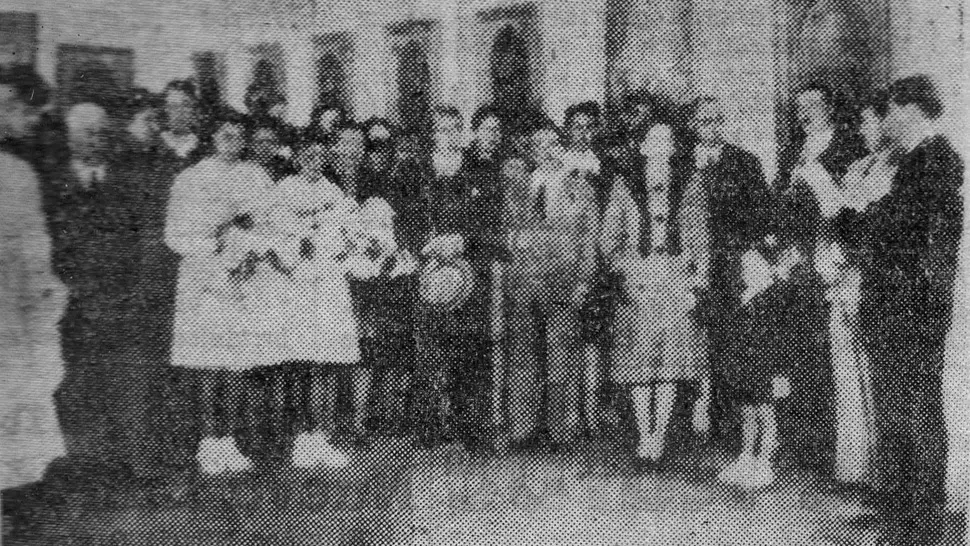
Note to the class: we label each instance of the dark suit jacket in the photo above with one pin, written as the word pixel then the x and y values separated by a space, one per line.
pixel 911 239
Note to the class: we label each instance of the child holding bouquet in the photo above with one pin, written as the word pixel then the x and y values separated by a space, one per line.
pixel 212 208
pixel 757 361
pixel 319 236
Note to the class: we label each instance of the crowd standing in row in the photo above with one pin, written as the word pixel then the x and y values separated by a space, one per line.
pixel 491 290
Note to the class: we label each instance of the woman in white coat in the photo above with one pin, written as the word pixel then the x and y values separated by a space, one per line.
pixel 214 330
pixel 32 300
pixel 319 236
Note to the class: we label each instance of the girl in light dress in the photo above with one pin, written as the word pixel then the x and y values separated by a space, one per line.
pixel 656 343
pixel 322 236
pixel 217 324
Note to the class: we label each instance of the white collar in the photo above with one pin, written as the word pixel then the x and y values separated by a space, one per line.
pixel 182 145
pixel 86 173
pixel 707 154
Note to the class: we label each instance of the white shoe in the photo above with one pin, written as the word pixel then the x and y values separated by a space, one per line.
pixel 650 448
pixel 208 456
pixel 736 472
pixel 764 474
pixel 218 455
pixel 235 460
pixel 314 449
pixel 759 475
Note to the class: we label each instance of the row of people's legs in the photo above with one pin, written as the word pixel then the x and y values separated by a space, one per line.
pixel 544 350
pixel 228 400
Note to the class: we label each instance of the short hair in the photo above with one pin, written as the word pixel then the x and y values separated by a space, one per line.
pixel 84 115
pixel 448 111
pixel 918 90
pixel 185 87
pixel 29 88
pixel 545 124
pixel 482 113
pixel 877 100
pixel 828 95
pixel 342 115
pixel 590 109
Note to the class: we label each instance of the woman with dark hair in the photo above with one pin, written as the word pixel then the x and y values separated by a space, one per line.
pixel 325 119
pixel 214 206
pixel 271 146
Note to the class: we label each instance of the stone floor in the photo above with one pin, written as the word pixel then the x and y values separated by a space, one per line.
pixel 393 494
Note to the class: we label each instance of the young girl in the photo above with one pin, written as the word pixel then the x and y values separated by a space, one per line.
pixel 213 327
pixel 757 360
pixel 656 343
pixel 320 236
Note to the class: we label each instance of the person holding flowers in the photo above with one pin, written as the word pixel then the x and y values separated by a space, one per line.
pixel 212 205
pixel 316 236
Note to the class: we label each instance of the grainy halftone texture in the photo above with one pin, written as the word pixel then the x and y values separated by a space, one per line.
pixel 581 375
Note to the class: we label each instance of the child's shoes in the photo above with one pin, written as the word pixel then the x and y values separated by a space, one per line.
pixel 218 455
pixel 314 449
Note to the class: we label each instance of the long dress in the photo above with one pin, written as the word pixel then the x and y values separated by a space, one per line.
pixel 32 301
pixel 213 328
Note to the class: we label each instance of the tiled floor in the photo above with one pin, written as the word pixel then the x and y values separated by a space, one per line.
pixel 395 495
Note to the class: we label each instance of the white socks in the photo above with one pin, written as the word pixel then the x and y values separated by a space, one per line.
pixel 652 441
pixel 218 455
pixel 311 449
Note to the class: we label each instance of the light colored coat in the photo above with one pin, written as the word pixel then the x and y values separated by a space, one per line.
pixel 32 300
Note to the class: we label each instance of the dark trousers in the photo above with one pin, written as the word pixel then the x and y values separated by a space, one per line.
pixel 911 449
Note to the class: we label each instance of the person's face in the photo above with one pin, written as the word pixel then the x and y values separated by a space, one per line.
pixel 636 115
pixel 229 141
pixel 488 134
pixel 349 148
pixel 581 128
pixel 709 123
pixel 812 109
pixel 89 140
pixel 180 110
pixel 898 120
pixel 447 133
pixel 327 120
pixel 16 118
pixel 312 159
pixel 144 125
pixel 871 129
pixel 547 148
pixel 265 144
pixel 379 134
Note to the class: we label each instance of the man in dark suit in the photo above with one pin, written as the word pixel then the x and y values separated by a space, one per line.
pixel 96 255
pixel 911 238
pixel 729 185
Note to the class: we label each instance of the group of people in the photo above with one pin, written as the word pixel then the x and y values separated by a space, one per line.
pixel 636 251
